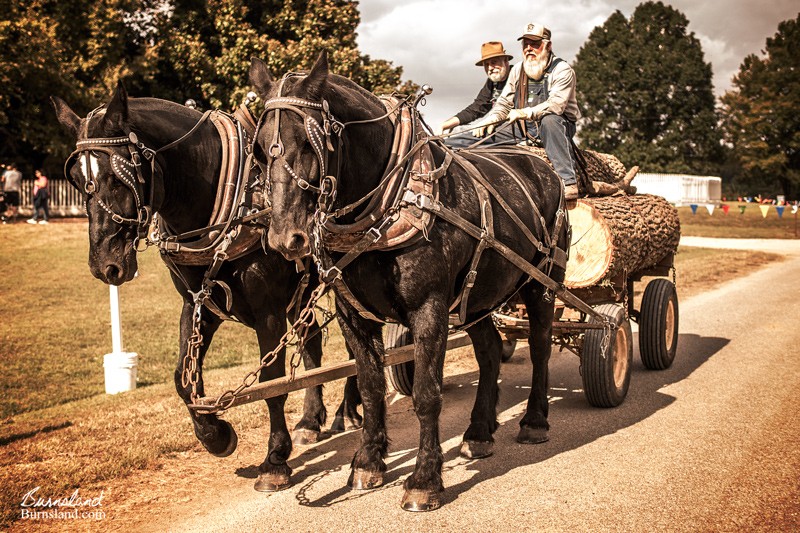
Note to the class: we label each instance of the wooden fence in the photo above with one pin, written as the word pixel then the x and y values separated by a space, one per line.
pixel 65 200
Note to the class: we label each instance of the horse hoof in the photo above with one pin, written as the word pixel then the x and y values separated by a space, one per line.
pixel 528 435
pixel 302 437
pixel 233 441
pixel 418 501
pixel 341 425
pixel 473 449
pixel 272 482
pixel 364 479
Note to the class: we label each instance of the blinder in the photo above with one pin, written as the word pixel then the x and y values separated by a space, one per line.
pixel 128 171
pixel 320 136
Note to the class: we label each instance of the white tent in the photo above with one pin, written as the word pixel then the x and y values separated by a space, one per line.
pixel 681 189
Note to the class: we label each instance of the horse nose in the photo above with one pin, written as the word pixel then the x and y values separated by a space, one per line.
pixel 112 273
pixel 297 245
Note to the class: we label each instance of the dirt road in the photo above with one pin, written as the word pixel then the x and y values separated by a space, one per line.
pixel 712 443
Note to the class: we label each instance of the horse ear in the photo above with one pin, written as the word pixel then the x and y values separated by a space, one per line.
pixel 117 110
pixel 66 116
pixel 259 77
pixel 315 81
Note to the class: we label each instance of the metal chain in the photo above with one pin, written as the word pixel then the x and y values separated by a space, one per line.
pixel 297 333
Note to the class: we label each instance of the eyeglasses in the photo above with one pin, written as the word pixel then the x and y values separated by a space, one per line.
pixel 529 43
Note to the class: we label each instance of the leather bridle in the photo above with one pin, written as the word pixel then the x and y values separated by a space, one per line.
pixel 127 170
pixel 320 136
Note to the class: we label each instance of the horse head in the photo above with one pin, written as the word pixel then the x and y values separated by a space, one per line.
pixel 112 167
pixel 303 149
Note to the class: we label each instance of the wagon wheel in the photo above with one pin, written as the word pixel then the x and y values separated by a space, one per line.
pixel 606 376
pixel 509 345
pixel 658 324
pixel 401 375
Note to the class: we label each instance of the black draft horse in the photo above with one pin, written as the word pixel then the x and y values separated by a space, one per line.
pixel 182 190
pixel 415 285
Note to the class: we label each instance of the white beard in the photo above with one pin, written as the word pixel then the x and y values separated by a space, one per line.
pixel 498 76
pixel 535 66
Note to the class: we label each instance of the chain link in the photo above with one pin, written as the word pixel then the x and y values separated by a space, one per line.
pixel 297 334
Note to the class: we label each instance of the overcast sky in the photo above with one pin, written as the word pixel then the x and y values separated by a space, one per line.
pixel 438 41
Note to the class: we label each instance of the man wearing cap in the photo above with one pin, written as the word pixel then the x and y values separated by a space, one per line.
pixel 494 61
pixel 539 98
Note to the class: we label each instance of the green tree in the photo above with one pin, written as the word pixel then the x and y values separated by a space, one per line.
pixel 646 92
pixel 204 47
pixel 75 49
pixel 760 115
pixel 173 49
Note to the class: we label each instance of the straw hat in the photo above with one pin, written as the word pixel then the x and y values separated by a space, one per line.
pixel 490 50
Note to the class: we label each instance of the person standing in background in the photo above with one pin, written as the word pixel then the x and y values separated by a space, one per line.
pixel 12 178
pixel 41 199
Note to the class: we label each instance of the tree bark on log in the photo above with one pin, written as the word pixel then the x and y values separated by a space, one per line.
pixel 618 234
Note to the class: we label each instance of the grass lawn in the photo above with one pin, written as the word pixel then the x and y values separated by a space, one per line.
pixel 748 225
pixel 58 430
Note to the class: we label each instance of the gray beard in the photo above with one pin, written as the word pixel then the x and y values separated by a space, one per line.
pixel 535 67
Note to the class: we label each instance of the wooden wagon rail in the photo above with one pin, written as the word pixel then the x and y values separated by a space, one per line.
pixel 319 376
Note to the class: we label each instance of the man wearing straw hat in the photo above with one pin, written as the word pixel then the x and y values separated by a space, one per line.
pixel 539 100
pixel 494 61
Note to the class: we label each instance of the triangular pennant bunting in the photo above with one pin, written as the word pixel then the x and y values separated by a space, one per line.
pixel 725 208
pixel 710 209
pixel 779 209
pixel 694 208
pixel 764 210
pixel 794 209
pixel 741 209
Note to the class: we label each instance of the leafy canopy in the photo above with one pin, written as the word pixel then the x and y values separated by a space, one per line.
pixel 761 120
pixel 646 92
pixel 172 49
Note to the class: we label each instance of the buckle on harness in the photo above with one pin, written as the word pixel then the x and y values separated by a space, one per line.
pixel 375 233
pixel 331 274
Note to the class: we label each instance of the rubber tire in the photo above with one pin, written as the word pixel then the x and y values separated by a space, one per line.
pixel 658 324
pixel 401 376
pixel 606 379
pixel 509 345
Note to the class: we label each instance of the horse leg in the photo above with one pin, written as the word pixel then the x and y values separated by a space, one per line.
pixel 429 329
pixel 216 435
pixel 534 426
pixel 364 342
pixel 347 416
pixel 308 429
pixel 478 440
pixel 274 472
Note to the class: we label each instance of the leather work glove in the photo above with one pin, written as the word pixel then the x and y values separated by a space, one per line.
pixel 484 131
pixel 518 114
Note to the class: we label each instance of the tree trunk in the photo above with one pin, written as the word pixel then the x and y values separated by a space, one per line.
pixel 612 235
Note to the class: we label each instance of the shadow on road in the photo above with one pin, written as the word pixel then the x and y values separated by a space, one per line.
pixel 574 423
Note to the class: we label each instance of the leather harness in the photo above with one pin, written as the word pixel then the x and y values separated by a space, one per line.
pixel 403 206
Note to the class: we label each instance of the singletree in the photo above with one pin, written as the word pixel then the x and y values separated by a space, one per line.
pixel 760 116
pixel 646 92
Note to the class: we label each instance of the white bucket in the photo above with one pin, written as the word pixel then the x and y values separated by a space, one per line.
pixel 120 371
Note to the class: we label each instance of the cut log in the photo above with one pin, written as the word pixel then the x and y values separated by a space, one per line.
pixel 595 169
pixel 612 235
